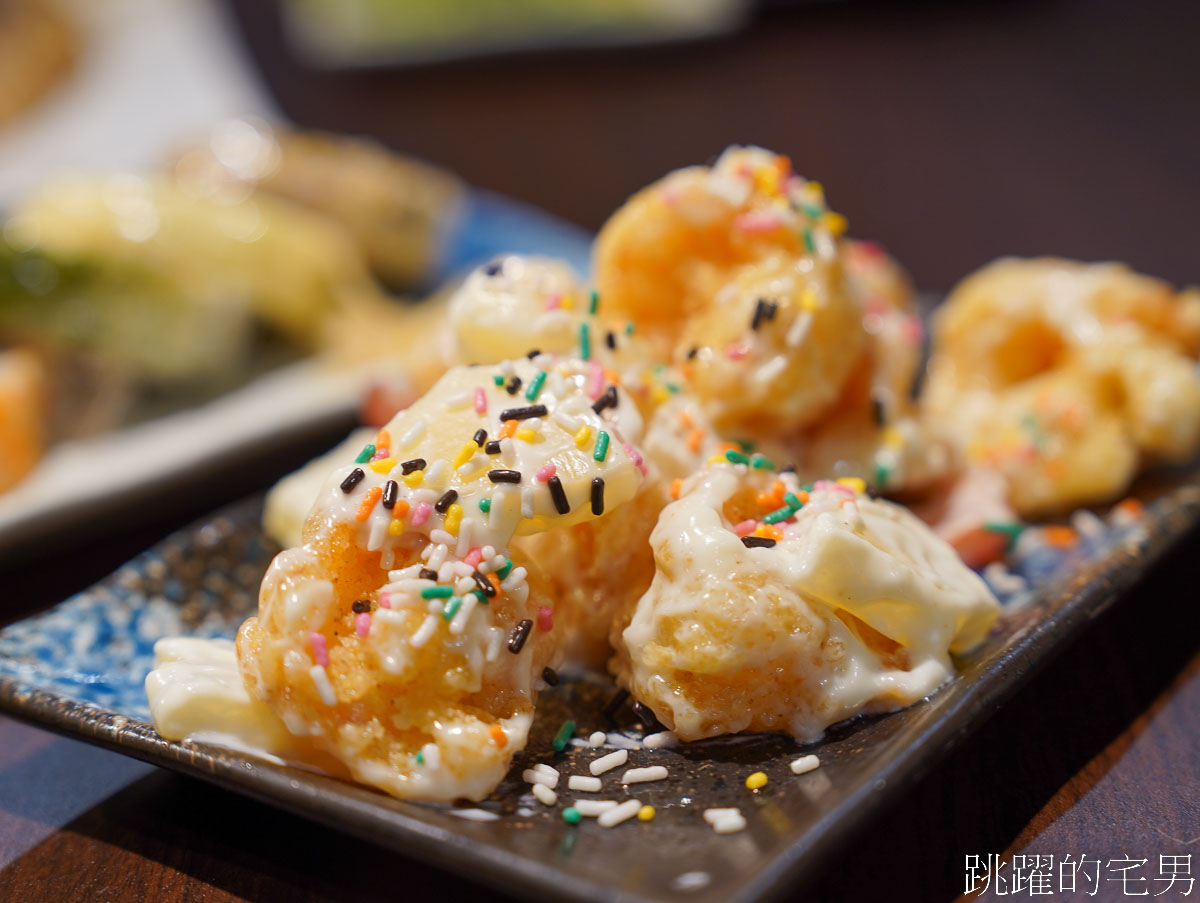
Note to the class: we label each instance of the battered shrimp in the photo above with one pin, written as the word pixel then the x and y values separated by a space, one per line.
pixel 831 604
pixel 404 637
pixel 663 256
pixel 1066 377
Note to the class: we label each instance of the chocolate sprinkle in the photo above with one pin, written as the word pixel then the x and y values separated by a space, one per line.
pixel 598 496
pixel 391 491
pixel 646 715
pixel 427 574
pixel 762 542
pixel 361 606
pixel 480 437
pixel 550 676
pixel 445 501
pixel 485 585
pixel 495 268
pixel 492 447
pixel 763 310
pixel 556 493
pixel 607 400
pixel 878 411
pixel 614 704
pixel 610 339
pixel 408 467
pixel 533 410
pixel 533 352
pixel 514 385
pixel 518 636
pixel 693 351
pixel 352 480
pixel 504 476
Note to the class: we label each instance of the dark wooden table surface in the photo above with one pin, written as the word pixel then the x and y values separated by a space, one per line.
pixel 953 132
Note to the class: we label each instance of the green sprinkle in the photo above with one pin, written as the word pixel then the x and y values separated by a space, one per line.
pixel 585 342
pixel 808 241
pixel 563 736
pixel 882 473
pixel 506 570
pixel 629 328
pixel 746 445
pixel 777 515
pixel 535 386
pixel 736 457
pixel 1013 531
pixel 794 503
pixel 420 758
pixel 452 607
pixel 807 487
pixel 571 815
pixel 437 592
pixel 485 505
pixel 601 450
pixel 761 463
pixel 478 594
pixel 812 212
pixel 593 301
pixel 498 379
pixel 365 455
pixel 672 388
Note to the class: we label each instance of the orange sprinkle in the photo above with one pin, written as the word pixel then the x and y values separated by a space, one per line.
pixel 509 428
pixel 1059 537
pixel 768 531
pixel 1055 469
pixel 498 736
pixel 368 503
pixel 1132 507
pixel 675 484
pixel 494 581
pixel 694 439
pixel 685 418
pixel 383 439
pixel 400 509
pixel 723 447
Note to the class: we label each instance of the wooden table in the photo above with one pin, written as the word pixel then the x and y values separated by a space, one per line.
pixel 954 133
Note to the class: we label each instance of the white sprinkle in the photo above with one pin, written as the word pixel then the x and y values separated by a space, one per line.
pixel 433 758
pixel 388 558
pixel 546 769
pixel 799 329
pixel 475 814
pixel 466 536
pixel 618 814
pixel 424 632
pixel 592 808
pixel 711 815
pixel 533 776
pixel 324 687
pixel 468 470
pixel 462 569
pixel 441 537
pixel 495 639
pixel 423 495
pixel 527 501
pixel 435 470
pixel 1087 524
pixel 805 764
pixel 379 528
pixel 644 775
pixel 1002 579
pixel 459 622
pixel 487 553
pixel 508 451
pixel 771 369
pixel 412 435
pixel 609 762
pixel 463 586
pixel 584 783
pixel 596 739
pixel 460 400
pixel 691 881
pixel 545 795
pixel 661 739
pixel 729 824
pixel 446 572
pixel 410 572
pixel 514 579
pixel 620 741
pixel 506 367
pixel 437 556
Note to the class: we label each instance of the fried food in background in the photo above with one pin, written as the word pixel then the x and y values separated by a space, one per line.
pixel 1068 378
pixel 22 413
pixel 38 47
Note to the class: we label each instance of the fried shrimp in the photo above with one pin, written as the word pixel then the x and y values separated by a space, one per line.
pixel 781 607
pixel 404 637
pixel 1066 377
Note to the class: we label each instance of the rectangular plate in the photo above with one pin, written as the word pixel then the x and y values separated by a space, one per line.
pixel 78 668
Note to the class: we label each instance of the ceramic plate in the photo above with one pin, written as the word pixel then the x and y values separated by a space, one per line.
pixel 78 668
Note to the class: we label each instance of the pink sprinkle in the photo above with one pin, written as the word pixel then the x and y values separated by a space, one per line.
pixel 638 462
pixel 596 382
pixel 735 351
pixel 362 624
pixel 669 195
pixel 545 472
pixel 480 400
pixel 824 485
pixel 545 620
pixel 745 528
pixel 914 331
pixel 757 222
pixel 320 651
pixel 380 454
pixel 876 305
pixel 473 558
pixel 385 600
pixel 420 513
pixel 553 302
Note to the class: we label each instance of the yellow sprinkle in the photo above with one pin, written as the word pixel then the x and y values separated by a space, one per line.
pixel 646 813
pixel 808 300
pixel 659 395
pixel 757 781
pixel 766 180
pixel 453 519
pixel 567 302
pixel 383 465
pixel 892 437
pixel 855 483
pixel 526 435
pixel 715 459
pixel 583 436
pixel 835 223
pixel 817 189
pixel 465 454
pixel 396 527
pixel 413 480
